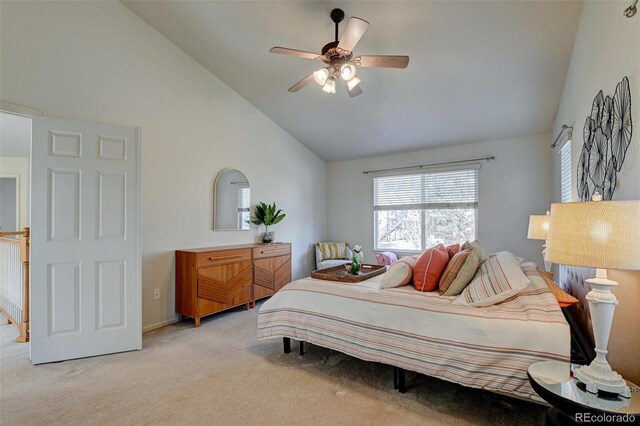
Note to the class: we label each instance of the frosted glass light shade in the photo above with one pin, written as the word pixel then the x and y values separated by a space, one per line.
pixel 347 72
pixel 538 227
pixel 595 234
pixel 353 83
pixel 321 76
pixel 330 86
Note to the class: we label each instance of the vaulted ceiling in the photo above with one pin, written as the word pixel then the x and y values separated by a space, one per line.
pixel 479 70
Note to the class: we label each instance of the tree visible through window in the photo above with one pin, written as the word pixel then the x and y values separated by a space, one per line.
pixel 417 211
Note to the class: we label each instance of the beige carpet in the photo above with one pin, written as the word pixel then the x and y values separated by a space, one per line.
pixel 219 374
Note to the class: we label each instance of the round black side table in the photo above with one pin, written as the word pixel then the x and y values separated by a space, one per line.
pixel 573 405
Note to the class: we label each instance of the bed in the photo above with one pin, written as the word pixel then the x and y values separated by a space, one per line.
pixel 488 348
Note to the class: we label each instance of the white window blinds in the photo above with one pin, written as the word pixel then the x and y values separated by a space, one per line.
pixel 565 172
pixel 450 189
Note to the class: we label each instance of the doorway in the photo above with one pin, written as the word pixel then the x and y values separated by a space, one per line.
pixel 15 149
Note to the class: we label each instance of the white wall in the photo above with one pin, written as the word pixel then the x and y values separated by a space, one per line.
pixel 19 166
pixel 607 49
pixel 513 186
pixel 99 61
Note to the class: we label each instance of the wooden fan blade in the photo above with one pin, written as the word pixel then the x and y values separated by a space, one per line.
pixel 299 85
pixel 294 52
pixel 357 90
pixel 381 61
pixel 352 34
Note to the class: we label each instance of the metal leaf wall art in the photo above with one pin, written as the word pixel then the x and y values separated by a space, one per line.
pixel 607 135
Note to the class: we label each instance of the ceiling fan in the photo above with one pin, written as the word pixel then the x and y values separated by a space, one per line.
pixel 340 65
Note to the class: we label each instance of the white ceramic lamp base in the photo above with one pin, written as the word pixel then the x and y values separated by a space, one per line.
pixel 547 264
pixel 598 376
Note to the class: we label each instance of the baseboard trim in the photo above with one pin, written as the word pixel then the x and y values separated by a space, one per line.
pixel 159 324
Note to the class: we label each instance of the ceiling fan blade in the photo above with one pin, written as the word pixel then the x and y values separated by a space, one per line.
pixel 352 34
pixel 299 85
pixel 357 90
pixel 294 52
pixel 381 61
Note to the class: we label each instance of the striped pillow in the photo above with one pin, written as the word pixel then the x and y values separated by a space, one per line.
pixel 498 278
pixel 399 274
pixel 564 299
pixel 459 273
pixel 333 250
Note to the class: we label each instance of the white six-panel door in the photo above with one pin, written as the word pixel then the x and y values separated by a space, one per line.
pixel 85 247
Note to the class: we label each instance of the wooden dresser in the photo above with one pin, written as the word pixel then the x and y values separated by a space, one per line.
pixel 210 280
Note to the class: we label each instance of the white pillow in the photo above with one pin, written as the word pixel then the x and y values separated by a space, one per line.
pixel 498 278
pixel 398 274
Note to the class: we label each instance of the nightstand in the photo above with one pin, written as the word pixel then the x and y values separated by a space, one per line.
pixel 572 405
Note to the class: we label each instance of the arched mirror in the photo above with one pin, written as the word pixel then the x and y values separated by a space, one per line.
pixel 231 201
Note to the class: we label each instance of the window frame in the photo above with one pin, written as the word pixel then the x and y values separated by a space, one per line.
pixel 423 206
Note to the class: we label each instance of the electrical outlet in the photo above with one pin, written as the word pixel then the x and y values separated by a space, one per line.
pixel 156 294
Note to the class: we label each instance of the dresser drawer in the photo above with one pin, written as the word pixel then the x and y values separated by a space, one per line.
pixel 221 257
pixel 271 251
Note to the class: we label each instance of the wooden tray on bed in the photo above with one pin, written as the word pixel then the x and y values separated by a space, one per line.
pixel 340 273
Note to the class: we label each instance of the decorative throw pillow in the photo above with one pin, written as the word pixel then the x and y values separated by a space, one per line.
pixel 498 278
pixel 459 272
pixel 398 274
pixel 429 268
pixel 452 250
pixel 473 245
pixel 564 299
pixel 386 258
pixel 333 250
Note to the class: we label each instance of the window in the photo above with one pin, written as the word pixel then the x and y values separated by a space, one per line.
pixel 565 172
pixel 244 196
pixel 416 211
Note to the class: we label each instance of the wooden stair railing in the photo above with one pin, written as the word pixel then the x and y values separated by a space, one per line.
pixel 14 280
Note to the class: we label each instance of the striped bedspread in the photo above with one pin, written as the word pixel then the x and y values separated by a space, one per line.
pixel 488 348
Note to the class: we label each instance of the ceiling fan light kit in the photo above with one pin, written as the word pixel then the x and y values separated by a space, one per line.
pixel 330 86
pixel 339 60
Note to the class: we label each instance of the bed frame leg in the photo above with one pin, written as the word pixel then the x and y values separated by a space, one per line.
pixel 399 379
pixel 395 377
pixel 302 352
pixel 286 342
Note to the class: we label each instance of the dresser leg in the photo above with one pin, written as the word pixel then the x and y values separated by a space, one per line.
pixel 246 306
pixel 180 317
pixel 253 303
pixel 286 342
pixel 197 320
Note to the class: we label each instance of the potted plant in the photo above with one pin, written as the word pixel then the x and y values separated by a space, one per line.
pixel 267 215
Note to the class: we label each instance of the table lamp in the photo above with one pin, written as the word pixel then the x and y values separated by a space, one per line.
pixel 538 227
pixel 602 235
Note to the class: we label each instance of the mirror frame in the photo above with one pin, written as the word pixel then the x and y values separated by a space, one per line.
pixel 215 199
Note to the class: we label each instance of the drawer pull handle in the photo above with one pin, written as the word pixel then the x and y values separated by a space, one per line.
pixel 270 251
pixel 223 257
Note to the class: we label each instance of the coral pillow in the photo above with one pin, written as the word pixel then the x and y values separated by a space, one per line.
pixel 429 268
pixel 398 274
pixel 452 250
pixel 564 299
